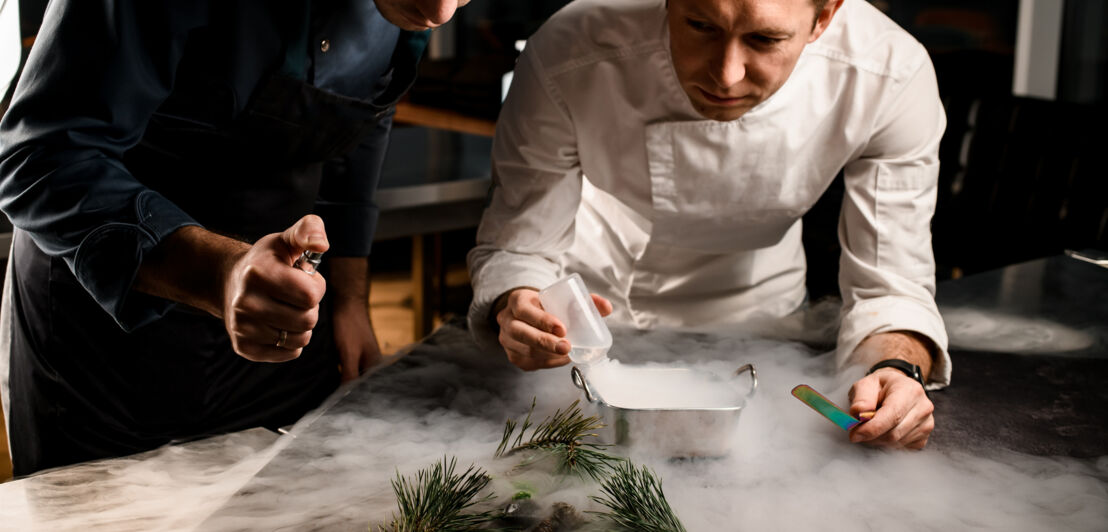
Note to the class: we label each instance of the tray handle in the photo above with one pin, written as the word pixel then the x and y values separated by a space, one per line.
pixel 753 376
pixel 580 382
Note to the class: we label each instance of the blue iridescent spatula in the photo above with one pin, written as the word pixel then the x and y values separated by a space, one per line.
pixel 829 410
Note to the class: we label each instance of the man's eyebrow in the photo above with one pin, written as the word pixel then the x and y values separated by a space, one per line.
pixel 698 12
pixel 771 31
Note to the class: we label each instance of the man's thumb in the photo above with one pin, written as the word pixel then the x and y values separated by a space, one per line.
pixel 863 396
pixel 307 233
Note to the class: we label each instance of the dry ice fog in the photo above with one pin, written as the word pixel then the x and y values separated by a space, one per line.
pixel 788 469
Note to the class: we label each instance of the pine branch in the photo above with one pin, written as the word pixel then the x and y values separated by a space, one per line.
pixel 636 501
pixel 436 499
pixel 510 427
pixel 562 435
pixel 583 459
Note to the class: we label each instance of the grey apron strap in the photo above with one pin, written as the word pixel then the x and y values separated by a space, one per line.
pixel 6 342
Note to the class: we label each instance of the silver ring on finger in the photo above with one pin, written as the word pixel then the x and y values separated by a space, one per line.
pixel 281 338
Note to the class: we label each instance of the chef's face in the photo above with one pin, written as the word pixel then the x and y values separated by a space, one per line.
pixel 730 55
pixel 418 15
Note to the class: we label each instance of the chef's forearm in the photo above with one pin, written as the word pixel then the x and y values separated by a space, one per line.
pixel 905 345
pixel 191 266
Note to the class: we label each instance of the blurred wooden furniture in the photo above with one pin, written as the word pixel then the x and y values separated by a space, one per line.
pixel 421 115
pixel 433 181
pixel 5 458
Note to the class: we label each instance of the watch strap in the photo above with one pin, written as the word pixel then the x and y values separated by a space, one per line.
pixel 904 366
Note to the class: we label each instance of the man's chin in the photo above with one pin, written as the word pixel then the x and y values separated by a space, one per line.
pixel 721 113
pixel 408 25
pixel 402 20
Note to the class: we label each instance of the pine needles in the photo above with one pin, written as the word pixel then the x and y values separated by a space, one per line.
pixel 436 500
pixel 562 435
pixel 636 501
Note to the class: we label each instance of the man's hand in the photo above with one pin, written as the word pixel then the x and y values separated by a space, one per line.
pixel 254 289
pixel 354 336
pixel 269 307
pixel 902 413
pixel 533 338
pixel 903 417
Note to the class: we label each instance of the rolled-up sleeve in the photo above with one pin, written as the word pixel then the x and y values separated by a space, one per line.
pixel 529 222
pixel 887 268
pixel 96 74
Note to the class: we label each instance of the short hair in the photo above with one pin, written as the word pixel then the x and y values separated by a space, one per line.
pixel 819 9
pixel 818 3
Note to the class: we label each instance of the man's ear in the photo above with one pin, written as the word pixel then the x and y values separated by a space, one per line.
pixel 823 19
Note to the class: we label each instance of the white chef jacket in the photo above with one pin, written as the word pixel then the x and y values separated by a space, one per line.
pixel 601 166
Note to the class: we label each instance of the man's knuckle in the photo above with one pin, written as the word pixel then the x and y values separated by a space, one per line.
pixel 315 295
pixel 303 322
pixel 550 324
pixel 251 274
pixel 241 304
pixel 897 434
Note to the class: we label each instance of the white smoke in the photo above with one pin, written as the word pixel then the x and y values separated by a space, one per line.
pixel 788 469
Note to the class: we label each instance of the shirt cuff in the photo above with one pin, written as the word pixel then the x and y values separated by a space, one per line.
pixel 108 259
pixel 887 314
pixel 503 271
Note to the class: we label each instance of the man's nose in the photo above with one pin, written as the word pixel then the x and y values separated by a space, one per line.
pixel 438 12
pixel 729 67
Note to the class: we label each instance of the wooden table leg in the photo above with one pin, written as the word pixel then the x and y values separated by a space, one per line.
pixel 428 280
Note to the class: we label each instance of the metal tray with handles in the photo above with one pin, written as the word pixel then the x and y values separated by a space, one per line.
pixel 680 432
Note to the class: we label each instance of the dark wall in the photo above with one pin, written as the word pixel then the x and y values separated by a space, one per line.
pixel 1083 67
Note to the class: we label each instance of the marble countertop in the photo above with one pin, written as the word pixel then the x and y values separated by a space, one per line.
pixel 172 488
pixel 1020 442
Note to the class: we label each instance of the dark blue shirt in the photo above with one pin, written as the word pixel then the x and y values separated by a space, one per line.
pixel 100 69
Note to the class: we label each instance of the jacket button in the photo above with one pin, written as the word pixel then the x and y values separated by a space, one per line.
pixel 325 45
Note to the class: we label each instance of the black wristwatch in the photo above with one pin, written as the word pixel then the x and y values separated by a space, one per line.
pixel 908 368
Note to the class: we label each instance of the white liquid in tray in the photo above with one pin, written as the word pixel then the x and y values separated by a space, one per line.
pixel 588 355
pixel 659 387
